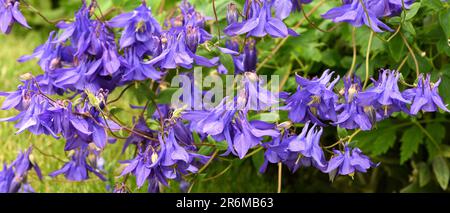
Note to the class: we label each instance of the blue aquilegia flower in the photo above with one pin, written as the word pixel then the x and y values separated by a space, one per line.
pixel 13 178
pixel 136 69
pixel 283 8
pixel 425 96
pixel 78 168
pixel 140 29
pixel 245 134
pixel 349 162
pixel 245 61
pixel 254 95
pixel 384 96
pixel 169 158
pixel 307 144
pixel 259 21
pixel 313 100
pixel 9 14
pixel 350 114
pixel 215 122
pixel 352 11
pixel 296 150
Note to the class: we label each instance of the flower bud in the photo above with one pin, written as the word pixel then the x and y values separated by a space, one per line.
pixel 232 14
pixel 192 38
pixel 250 55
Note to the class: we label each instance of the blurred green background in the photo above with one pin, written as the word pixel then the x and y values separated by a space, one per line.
pixel 413 152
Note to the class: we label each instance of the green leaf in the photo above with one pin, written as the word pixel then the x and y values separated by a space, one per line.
pixel 165 96
pixel 410 143
pixel 397 48
pixel 444 20
pixel 441 172
pixel 222 145
pixel 227 61
pixel 435 5
pixel 258 160
pixel 412 10
pixel 437 132
pixel 424 174
pixel 342 133
pixel 384 142
pixel 409 27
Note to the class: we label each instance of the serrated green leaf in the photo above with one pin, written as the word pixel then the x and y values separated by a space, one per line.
pixel 384 142
pixel 437 132
pixel 441 172
pixel 411 139
pixel 424 174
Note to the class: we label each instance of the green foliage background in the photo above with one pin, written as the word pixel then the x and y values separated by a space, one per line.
pixel 414 152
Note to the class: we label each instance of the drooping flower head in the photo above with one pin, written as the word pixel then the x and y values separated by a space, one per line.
pixel 350 114
pixel 140 29
pixel 253 94
pixel 425 96
pixel 259 21
pixel 307 144
pixel 349 162
pixel 357 14
pixel 313 100
pixel 10 14
pixel 169 158
pixel 13 178
pixel 385 95
pixel 283 8
pixel 78 168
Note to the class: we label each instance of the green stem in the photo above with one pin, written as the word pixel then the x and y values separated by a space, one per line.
pixel 369 46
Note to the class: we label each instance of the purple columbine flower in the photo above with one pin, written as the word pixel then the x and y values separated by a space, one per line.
pixel 349 162
pixel 295 150
pixel 384 96
pixel 175 52
pixel 425 96
pixel 352 11
pixel 169 158
pixel 350 114
pixel 13 178
pixel 248 134
pixel 314 99
pixel 283 8
pixel 214 122
pixel 140 28
pixel 253 95
pixel 9 14
pixel 307 145
pixel 232 14
pixel 259 22
pixel 136 69
pixel 78 168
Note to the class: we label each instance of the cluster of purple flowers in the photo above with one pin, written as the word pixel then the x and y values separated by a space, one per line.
pixel 315 100
pixel 84 59
pixel 81 125
pixel 13 177
pixel 169 157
